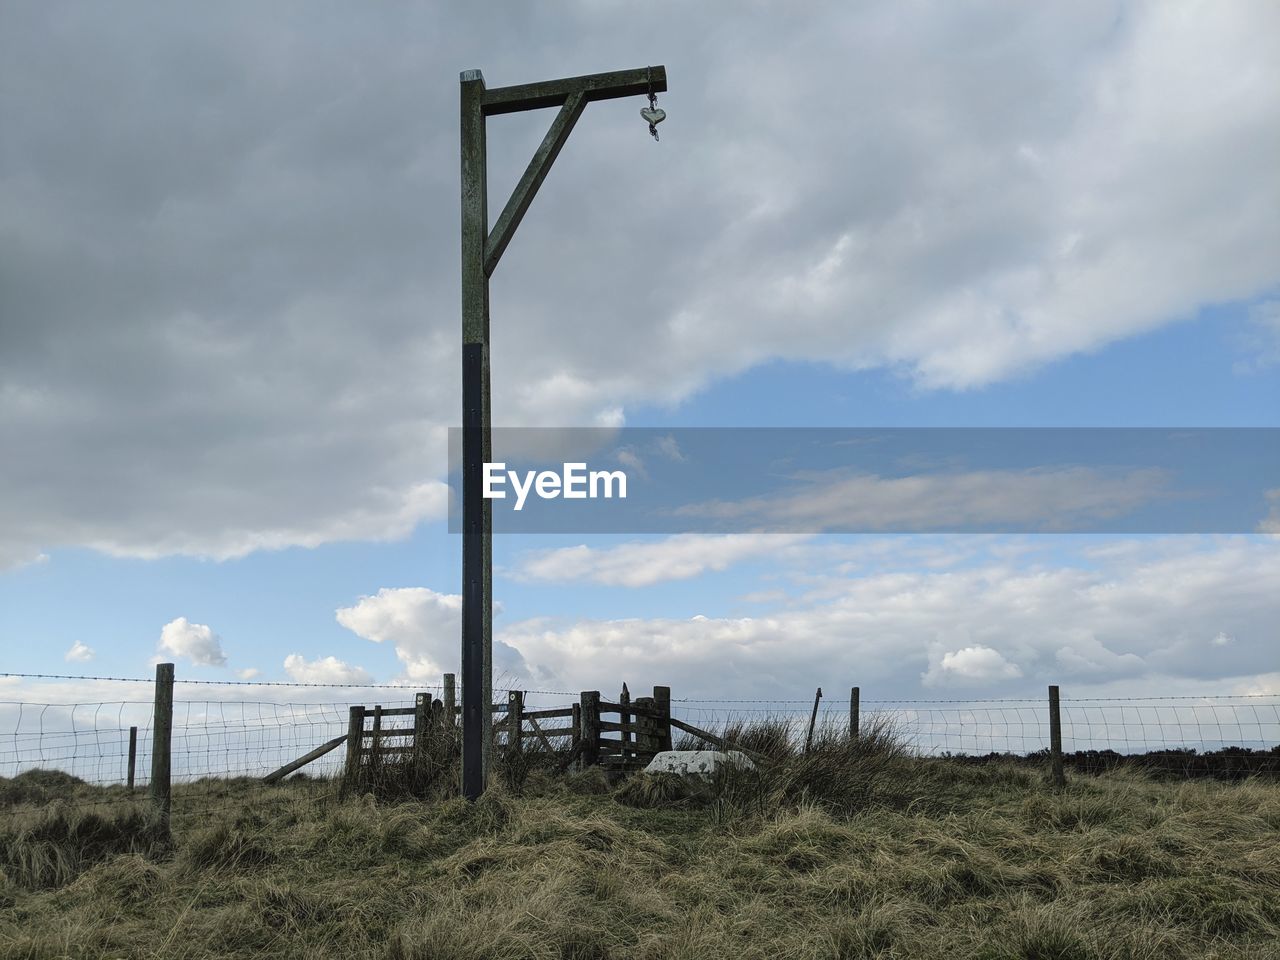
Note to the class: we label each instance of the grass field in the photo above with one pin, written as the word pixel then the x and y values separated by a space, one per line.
pixel 840 854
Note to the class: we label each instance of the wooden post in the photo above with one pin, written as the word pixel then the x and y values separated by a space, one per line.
pixel 624 718
pixel 813 718
pixel 450 698
pixel 375 746
pixel 1055 738
pixel 162 742
pixel 662 704
pixel 477 511
pixel 646 727
pixel 421 717
pixel 355 744
pixel 515 722
pixel 590 727
pixel 575 747
pixel 133 754
pixel 854 710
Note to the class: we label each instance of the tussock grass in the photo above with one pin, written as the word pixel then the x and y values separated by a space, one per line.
pixel 51 846
pixel 846 851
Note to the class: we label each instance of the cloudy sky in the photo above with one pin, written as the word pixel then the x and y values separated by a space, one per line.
pixel 230 338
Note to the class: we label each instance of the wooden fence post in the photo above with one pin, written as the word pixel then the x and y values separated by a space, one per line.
pixel 855 707
pixel 576 722
pixel 133 754
pixel 355 744
pixel 589 726
pixel 162 742
pixel 1055 738
pixel 813 718
pixel 450 698
pixel 624 718
pixel 421 717
pixel 515 722
pixel 646 727
pixel 375 746
pixel 662 704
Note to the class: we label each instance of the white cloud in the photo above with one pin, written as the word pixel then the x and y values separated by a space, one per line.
pixel 16 555
pixel 642 564
pixel 386 515
pixel 324 670
pixel 79 653
pixel 631 460
pixel 1271 522
pixel 195 641
pixel 1264 340
pixel 977 664
pixel 1142 614
pixel 425 629
pixel 1041 498
pixel 669 448
pixel 1087 658
pixel 1220 639
pixel 261 345
pixel 248 673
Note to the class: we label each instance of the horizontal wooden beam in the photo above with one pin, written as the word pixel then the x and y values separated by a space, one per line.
pixel 595 86
pixel 633 708
pixel 609 727
pixel 391 712
pixel 389 732
pixel 547 714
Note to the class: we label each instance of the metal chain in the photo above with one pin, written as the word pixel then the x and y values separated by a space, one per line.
pixel 653 101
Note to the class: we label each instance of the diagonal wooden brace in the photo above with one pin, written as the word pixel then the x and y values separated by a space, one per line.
pixel 534 174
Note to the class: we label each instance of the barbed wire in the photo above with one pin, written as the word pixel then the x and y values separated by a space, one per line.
pixel 272 683
pixel 234 683
pixel 512 684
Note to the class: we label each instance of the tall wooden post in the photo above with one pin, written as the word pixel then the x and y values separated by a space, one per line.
pixel 162 742
pixel 1055 738
pixel 133 754
pixel 355 742
pixel 662 704
pixel 481 251
pixel 477 512
pixel 855 708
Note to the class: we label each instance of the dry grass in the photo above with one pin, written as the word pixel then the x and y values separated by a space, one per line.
pixel 849 852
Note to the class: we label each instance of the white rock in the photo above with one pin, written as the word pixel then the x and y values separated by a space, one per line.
pixel 697 763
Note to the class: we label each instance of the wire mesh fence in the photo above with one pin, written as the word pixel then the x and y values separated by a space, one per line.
pixel 223 738
pixel 1021 726
pixel 1227 735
